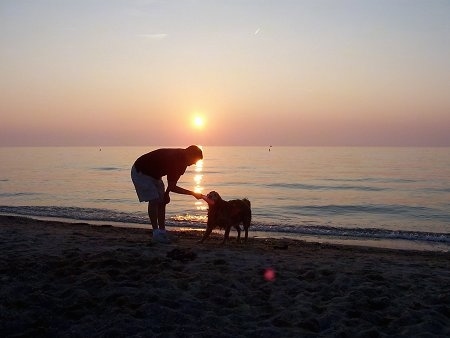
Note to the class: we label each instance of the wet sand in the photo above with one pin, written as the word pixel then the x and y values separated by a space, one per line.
pixel 77 280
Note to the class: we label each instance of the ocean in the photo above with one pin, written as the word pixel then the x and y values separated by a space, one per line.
pixel 386 197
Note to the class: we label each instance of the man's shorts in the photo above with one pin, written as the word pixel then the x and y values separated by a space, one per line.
pixel 147 188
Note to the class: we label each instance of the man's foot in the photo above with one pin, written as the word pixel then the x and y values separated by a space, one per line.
pixel 160 236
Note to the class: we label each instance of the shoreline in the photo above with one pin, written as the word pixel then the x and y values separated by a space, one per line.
pixel 83 280
pixel 382 243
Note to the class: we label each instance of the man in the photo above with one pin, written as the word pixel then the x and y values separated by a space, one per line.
pixel 147 173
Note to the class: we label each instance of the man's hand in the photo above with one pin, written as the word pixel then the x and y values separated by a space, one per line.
pixel 197 195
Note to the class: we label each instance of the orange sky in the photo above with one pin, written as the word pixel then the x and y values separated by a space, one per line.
pixel 327 73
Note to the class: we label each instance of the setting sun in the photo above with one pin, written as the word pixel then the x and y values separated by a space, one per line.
pixel 198 122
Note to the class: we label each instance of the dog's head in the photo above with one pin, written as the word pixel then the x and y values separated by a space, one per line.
pixel 214 196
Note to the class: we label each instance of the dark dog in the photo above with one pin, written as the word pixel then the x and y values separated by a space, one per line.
pixel 227 214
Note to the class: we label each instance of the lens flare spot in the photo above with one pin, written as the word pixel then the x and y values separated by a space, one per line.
pixel 269 274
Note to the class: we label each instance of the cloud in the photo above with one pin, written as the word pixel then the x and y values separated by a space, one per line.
pixel 157 36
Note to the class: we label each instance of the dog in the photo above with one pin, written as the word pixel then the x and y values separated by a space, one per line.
pixel 227 214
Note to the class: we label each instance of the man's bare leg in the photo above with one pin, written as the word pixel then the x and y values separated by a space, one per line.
pixel 153 214
pixel 162 216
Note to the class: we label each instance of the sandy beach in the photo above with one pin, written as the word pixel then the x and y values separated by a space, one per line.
pixel 78 280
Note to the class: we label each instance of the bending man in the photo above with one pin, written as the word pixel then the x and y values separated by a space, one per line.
pixel 147 173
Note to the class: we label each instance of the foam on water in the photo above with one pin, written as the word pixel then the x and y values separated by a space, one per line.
pixel 196 223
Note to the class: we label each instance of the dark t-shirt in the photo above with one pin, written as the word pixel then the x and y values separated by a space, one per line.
pixel 162 162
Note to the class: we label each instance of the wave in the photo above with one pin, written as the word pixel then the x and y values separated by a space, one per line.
pixel 360 233
pixel 107 168
pixel 324 187
pixel 106 215
pixel 76 213
pixel 372 179
pixel 18 194
pixel 416 212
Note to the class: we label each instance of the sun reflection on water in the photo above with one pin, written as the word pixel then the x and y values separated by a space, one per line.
pixel 199 205
pixel 198 188
pixel 190 218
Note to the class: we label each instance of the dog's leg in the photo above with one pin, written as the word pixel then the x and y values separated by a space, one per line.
pixel 206 234
pixel 246 224
pixel 227 233
pixel 238 229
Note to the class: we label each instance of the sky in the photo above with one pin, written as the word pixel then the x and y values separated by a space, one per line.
pixel 250 72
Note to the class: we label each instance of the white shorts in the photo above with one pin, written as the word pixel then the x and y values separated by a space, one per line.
pixel 148 189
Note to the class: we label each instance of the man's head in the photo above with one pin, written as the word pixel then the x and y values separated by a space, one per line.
pixel 193 154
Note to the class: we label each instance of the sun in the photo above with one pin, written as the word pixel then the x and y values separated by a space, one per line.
pixel 198 122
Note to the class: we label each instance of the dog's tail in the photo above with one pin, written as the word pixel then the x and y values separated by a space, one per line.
pixel 247 202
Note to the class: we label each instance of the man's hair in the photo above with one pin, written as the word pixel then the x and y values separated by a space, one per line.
pixel 194 152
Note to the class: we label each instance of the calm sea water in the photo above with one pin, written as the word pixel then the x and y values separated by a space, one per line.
pixel 392 197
